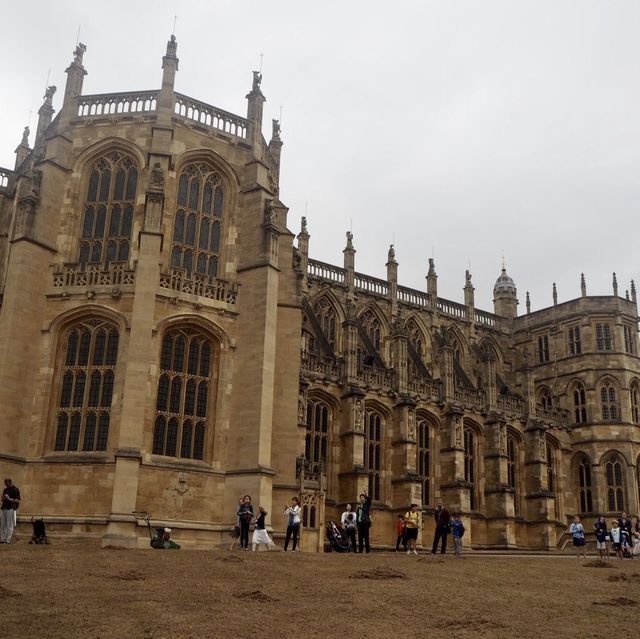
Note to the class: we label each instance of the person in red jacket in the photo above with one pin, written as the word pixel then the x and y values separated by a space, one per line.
pixel 443 518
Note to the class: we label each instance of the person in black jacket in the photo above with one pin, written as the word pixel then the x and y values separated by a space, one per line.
pixel 625 523
pixel 443 518
pixel 245 515
pixel 363 515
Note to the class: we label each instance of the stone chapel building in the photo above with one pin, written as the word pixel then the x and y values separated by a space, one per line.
pixel 168 345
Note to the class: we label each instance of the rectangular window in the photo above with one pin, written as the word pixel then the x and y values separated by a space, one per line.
pixel 575 346
pixel 629 340
pixel 543 348
pixel 603 337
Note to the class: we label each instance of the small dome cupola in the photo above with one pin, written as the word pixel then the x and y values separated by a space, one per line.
pixel 504 284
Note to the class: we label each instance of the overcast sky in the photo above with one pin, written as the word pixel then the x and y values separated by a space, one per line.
pixel 462 128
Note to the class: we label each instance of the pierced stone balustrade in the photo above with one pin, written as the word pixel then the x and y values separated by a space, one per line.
pixel 211 117
pixel 454 309
pixel 117 274
pixel 413 297
pixel 219 290
pixel 488 319
pixel 324 271
pixel 427 389
pixel 557 415
pixel 511 405
pixel 375 377
pixel 316 365
pixel 470 398
pixel 114 104
pixel 371 285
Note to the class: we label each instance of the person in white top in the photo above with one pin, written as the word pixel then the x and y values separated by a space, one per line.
pixel 616 538
pixel 292 512
pixel 349 523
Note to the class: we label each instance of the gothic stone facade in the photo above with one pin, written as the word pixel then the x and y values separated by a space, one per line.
pixel 167 345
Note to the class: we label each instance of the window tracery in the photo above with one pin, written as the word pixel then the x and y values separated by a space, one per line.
pixel 198 221
pixel 182 404
pixel 108 211
pixel 88 372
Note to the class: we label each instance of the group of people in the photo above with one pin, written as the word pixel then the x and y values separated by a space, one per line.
pixel 245 515
pixel 445 524
pixel 620 537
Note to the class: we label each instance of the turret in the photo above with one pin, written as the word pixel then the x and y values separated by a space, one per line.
pixel 468 295
pixel 303 249
pixel 432 284
pixel 22 150
pixel 392 279
pixel 349 265
pixel 275 146
pixel 75 76
pixel 45 114
pixel 169 67
pixel 255 104
pixel 505 296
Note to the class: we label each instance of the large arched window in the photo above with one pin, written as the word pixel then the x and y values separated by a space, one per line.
pixel 371 326
pixel 583 471
pixel 614 475
pixel 470 466
pixel 184 387
pixel 512 471
pixel 634 396
pixel 579 403
pixel 373 452
pixel 423 461
pixel 317 436
pixel 417 344
pixel 608 401
pixel 87 379
pixel 108 210
pixel 197 226
pixel 326 315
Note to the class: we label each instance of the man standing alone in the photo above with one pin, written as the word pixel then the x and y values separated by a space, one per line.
pixel 363 515
pixel 10 503
pixel 442 517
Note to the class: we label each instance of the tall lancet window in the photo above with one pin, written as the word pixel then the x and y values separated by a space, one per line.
pixel 86 388
pixel 198 221
pixel 108 210
pixel 184 394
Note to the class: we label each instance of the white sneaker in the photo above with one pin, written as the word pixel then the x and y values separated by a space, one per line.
pixel 409 552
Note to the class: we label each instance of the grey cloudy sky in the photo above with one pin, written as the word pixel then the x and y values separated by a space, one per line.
pixel 464 127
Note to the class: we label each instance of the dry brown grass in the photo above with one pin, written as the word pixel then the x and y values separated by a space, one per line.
pixel 75 591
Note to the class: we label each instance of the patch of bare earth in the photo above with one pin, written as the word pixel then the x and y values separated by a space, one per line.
pixel 77 591
pixel 598 563
pixel 381 572
pixel 633 578
pixel 617 602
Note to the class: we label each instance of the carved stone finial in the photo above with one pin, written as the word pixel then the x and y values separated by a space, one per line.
pixel 349 240
pixel 303 225
pixel 583 285
pixel 528 303
pixel 467 277
pixel 391 256
pixel 25 136
pixel 275 129
pixel 615 285
pixel 633 292
pixel 172 47
pixel 79 53
pixel 555 294
pixel 257 80
pixel 49 93
pixel 432 267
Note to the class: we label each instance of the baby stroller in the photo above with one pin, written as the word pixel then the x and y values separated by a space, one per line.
pixel 338 541
pixel 39 532
pixel 160 538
